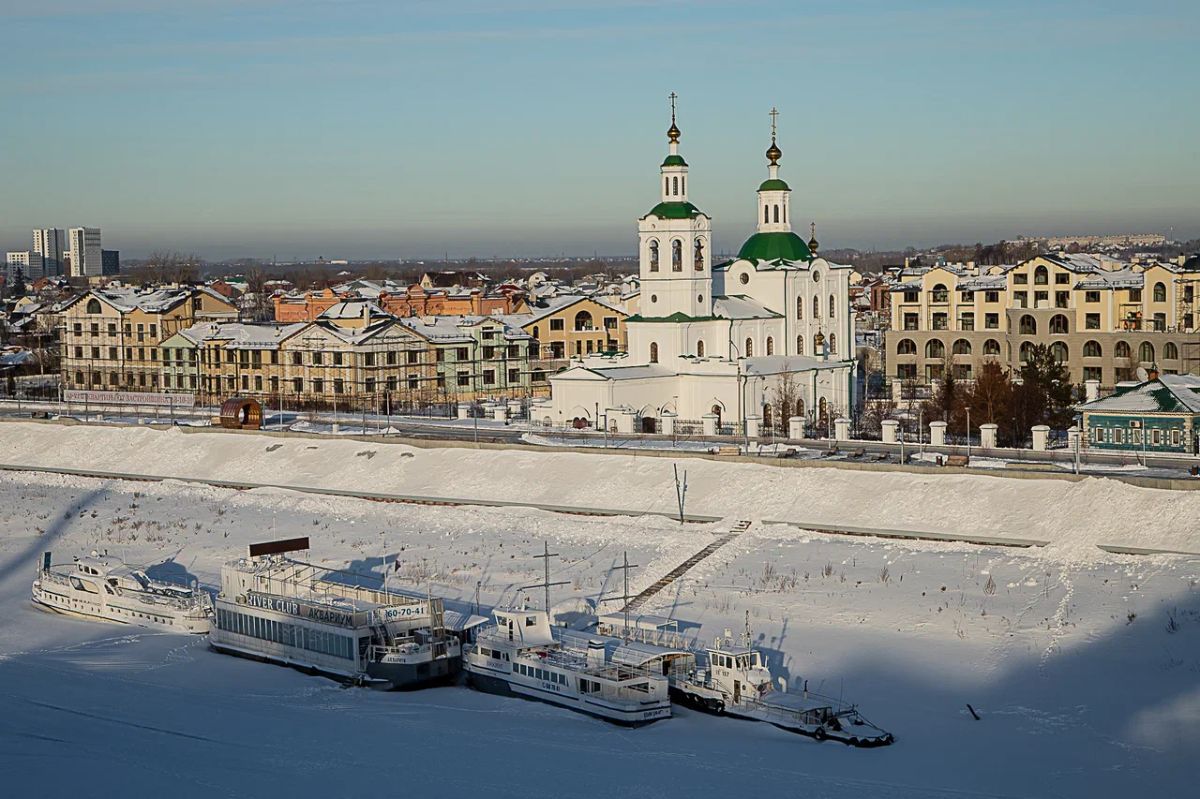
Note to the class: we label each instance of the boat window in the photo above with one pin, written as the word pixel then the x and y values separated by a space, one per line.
pixel 530 621
pixel 108 588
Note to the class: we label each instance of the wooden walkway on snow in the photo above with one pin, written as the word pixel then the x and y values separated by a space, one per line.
pixel 682 568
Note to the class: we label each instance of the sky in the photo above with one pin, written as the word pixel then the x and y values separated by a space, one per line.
pixel 394 129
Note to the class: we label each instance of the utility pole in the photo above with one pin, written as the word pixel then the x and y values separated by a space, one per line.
pixel 968 431
pixel 680 489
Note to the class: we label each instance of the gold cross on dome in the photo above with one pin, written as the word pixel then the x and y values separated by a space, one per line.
pixel 673 97
pixel 774 115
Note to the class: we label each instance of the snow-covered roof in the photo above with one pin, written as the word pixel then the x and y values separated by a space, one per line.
pixel 353 309
pixel 1116 279
pixel 775 364
pixel 739 306
pixel 150 300
pixel 239 335
pixel 1166 394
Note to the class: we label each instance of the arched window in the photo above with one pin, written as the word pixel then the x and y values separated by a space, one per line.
pixel 1058 324
pixel 818 344
pixel 749 348
pixel 1041 276
pixel 1170 351
pixel 1092 349
pixel 535 332
pixel 93 305
pixel 770 345
pixel 583 321
pixel 1146 352
pixel 962 347
pixel 816 307
pixel 654 255
pixel 683 185
pixel 1028 326
pixel 653 352
pixel 799 307
pixel 776 213
pixel 766 213
pixel 832 306
pixel 800 345
pixel 700 348
pixel 906 347
pixel 1026 351
pixel 1121 350
pixel 666 187
pixel 941 293
pixel 934 348
pixel 991 347
pixel 1059 351
pixel 676 256
pixel 675 186
pixel 698 256
pixel 832 343
pixel 1160 292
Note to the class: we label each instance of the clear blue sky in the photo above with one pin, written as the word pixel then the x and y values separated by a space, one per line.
pixel 408 129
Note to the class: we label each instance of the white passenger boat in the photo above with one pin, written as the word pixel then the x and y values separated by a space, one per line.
pixel 519 656
pixel 105 588
pixel 730 678
pixel 286 611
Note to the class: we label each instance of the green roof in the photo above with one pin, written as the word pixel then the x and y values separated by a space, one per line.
pixel 674 211
pixel 773 246
pixel 674 160
pixel 774 184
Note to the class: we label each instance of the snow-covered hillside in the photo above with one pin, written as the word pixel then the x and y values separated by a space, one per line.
pixel 1086 673
pixel 1073 516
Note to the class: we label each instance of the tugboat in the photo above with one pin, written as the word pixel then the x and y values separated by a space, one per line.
pixel 105 588
pixel 519 656
pixel 730 678
pixel 280 610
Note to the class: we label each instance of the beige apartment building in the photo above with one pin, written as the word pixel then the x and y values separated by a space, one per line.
pixel 1100 317
pixel 110 337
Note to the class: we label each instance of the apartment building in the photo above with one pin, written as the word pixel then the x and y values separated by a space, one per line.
pixel 87 258
pixel 397 299
pixel 1101 318
pixel 569 326
pixel 478 356
pixel 110 337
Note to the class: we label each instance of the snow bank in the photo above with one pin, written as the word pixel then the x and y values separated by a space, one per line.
pixel 1074 517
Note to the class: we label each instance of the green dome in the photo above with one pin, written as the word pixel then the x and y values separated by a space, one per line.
pixel 774 184
pixel 674 211
pixel 773 246
pixel 674 160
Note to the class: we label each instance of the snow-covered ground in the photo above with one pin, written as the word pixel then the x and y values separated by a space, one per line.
pixel 1085 669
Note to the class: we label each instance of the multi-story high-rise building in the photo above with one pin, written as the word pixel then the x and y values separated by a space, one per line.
pixel 50 244
pixel 30 265
pixel 110 262
pixel 1102 319
pixel 87 259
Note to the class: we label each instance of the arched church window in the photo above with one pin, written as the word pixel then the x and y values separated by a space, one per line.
pixel 832 306
pixel 653 352
pixel 776 213
pixel 785 212
pixel 749 348
pixel 683 185
pixel 675 186
pixel 832 343
pixel 770 345
pixel 800 344
pixel 700 348
pixel 666 187
pixel 93 305
pixel 654 255
pixel 799 307
pixel 676 256
pixel 816 307
pixel 698 257
pixel 766 213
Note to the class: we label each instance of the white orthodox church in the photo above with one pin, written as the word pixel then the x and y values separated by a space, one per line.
pixel 745 345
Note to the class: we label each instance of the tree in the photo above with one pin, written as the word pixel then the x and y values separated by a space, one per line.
pixel 946 402
pixel 783 400
pixel 1043 394
pixel 990 400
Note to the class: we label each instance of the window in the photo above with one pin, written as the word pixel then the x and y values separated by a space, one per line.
pixel 489 377
pixel 1170 351
pixel 799 345
pixel 1028 326
pixel 558 324
pixel 1091 296
pixel 832 343
pixel 941 321
pixel 412 356
pixel 906 371
pixel 771 345
pixel 962 347
pixel 298 385
pixel 462 353
pixel 338 386
pixel 1092 349
pixel 749 351
pixel 700 348
pixel 93 306
pixel 1062 278
pixel 991 347
pixel 910 321
pixel 1041 276
pixel 653 257
pixel 368 359
pixel 464 379
pixel 583 321
pixel 934 348
pixel 906 346
pixel 1020 299
pixel 1058 324
pixel 912 296
pixel 799 307
pixel 1020 279
pixel 1026 351
pixel 318 358
pixel 941 293
pixel 1092 373
pixel 1146 352
pixel 991 296
pixel 653 352
pixel 514 375
pixel 698 256
pixel 991 321
pixel 676 255
pixel 1121 350
pixel 1059 352
pixel 1160 322
pixel 1062 299
pixel 318 386
pixel 832 306
pixel 1160 292
pixel 816 307
pixel 967 322
pixel 1091 321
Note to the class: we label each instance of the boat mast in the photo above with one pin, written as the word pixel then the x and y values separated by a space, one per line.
pixel 546 584
pixel 625 567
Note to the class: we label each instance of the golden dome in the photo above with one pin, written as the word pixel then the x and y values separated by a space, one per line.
pixel 774 153
pixel 673 133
